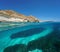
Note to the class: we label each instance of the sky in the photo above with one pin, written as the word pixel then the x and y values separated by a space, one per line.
pixel 42 9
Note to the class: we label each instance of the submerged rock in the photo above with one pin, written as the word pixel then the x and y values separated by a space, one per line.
pixel 16 48
pixel 48 43
pixel 27 33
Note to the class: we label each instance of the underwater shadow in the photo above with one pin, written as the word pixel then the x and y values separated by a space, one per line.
pixel 27 33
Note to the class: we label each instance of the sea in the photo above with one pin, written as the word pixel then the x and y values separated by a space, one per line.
pixel 30 37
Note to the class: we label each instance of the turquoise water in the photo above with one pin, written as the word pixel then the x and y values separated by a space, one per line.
pixel 30 37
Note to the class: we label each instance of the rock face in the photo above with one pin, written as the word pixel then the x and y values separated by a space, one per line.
pixel 12 16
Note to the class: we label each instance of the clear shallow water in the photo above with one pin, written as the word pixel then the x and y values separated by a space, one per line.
pixel 31 37
pixel 8 25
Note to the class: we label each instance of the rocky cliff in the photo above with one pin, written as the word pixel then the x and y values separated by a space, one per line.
pixel 10 15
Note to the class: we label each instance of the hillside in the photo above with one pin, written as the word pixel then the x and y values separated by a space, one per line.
pixel 12 16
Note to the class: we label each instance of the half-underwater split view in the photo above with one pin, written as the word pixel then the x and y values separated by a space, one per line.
pixel 29 25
